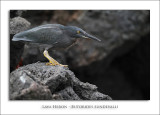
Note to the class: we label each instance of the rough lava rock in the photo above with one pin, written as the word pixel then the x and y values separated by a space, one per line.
pixel 40 82
pixel 18 24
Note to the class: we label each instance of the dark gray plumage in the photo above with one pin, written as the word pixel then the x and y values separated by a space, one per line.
pixel 54 35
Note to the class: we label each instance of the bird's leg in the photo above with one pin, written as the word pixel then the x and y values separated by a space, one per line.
pixel 51 60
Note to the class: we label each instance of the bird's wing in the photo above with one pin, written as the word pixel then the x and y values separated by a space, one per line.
pixel 45 34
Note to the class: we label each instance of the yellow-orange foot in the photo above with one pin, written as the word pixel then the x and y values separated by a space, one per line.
pixel 52 61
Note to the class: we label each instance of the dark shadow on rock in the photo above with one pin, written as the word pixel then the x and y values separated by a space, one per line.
pixel 17 24
pixel 125 76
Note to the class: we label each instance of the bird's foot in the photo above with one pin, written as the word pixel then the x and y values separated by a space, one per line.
pixel 51 60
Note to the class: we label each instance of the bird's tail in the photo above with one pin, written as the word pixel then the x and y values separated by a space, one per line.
pixel 20 37
pixel 15 39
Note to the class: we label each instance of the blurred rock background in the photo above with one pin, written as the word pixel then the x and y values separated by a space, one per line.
pixel 120 64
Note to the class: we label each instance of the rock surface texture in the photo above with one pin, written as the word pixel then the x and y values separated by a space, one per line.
pixel 40 82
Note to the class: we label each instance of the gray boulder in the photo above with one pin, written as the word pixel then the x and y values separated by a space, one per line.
pixel 40 82
pixel 18 24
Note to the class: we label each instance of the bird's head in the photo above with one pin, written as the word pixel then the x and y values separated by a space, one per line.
pixel 79 33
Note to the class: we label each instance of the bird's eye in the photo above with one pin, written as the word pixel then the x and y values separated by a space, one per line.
pixel 78 32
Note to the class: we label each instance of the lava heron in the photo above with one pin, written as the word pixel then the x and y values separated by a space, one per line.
pixel 55 36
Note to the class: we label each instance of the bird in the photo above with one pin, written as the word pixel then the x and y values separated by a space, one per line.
pixel 53 36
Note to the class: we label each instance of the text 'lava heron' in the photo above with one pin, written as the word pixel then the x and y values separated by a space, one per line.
pixel 55 36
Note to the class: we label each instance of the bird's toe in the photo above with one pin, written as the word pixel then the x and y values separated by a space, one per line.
pixel 50 64
pixel 63 65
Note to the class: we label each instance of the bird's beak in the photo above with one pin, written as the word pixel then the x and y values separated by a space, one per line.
pixel 86 35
